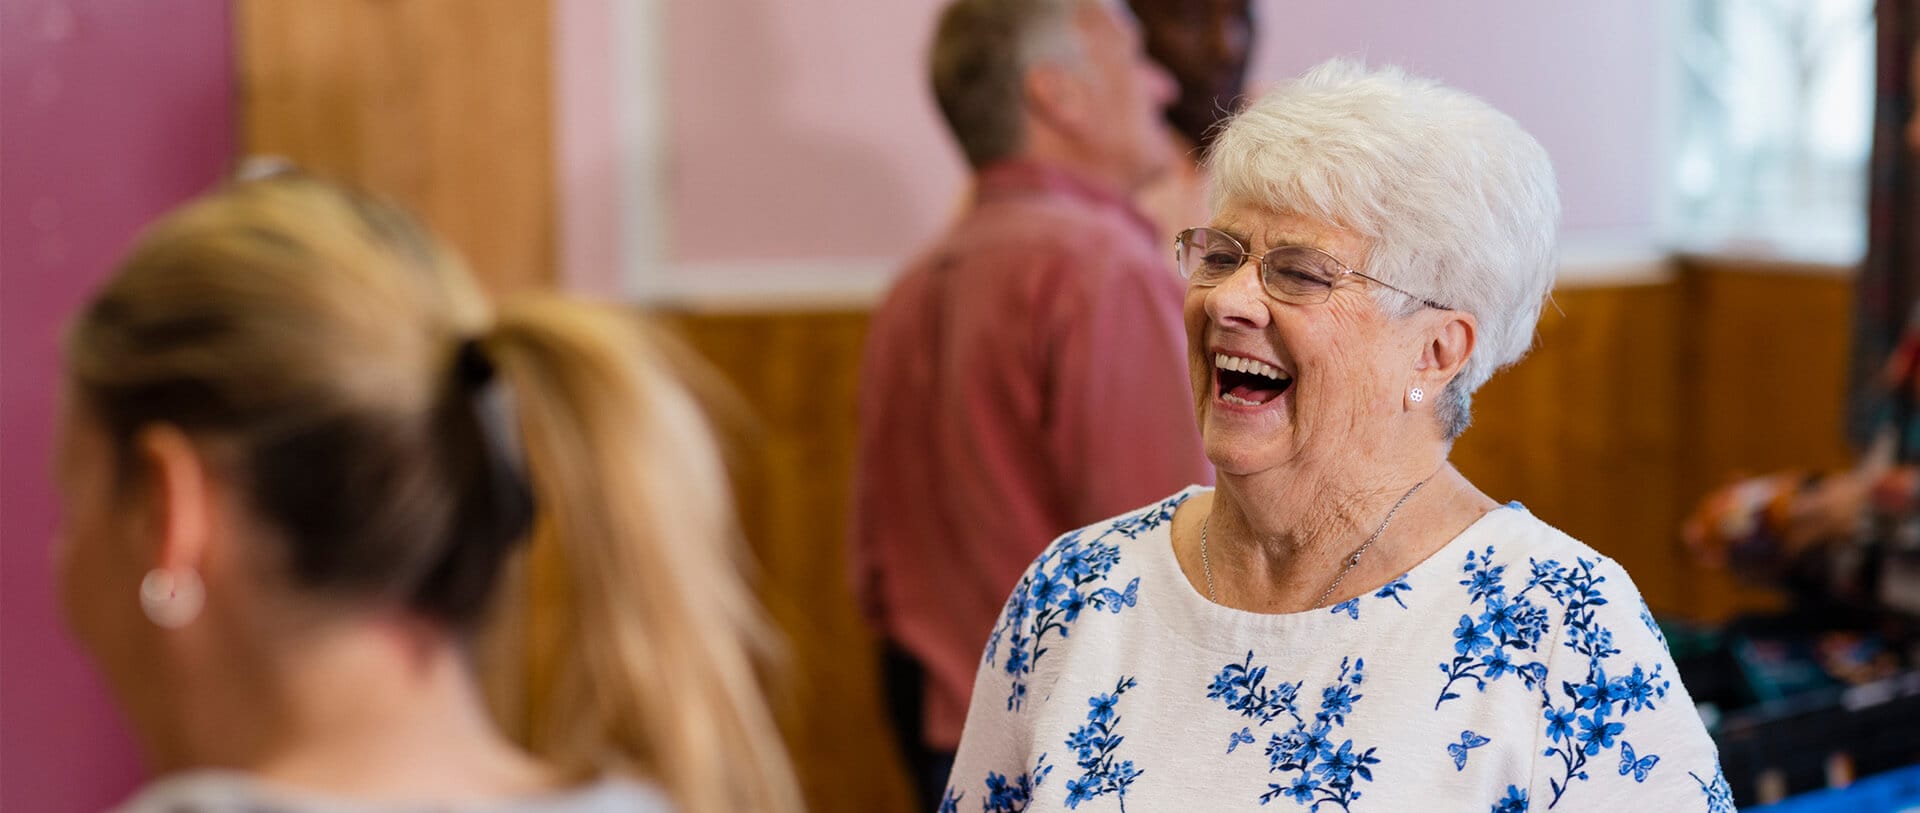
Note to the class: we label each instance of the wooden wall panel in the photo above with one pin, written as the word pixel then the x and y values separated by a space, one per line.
pixel 797 373
pixel 1584 430
pixel 443 105
pixel 1766 388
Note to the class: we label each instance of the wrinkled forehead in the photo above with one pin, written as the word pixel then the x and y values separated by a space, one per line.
pixel 1261 229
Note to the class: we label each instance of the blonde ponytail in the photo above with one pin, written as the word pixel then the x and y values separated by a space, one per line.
pixel 631 634
pixel 322 335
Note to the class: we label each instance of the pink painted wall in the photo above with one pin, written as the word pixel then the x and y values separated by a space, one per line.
pixel 110 112
pixel 1583 78
pixel 805 129
pixel 586 147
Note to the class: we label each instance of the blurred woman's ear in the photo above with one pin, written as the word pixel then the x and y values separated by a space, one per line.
pixel 172 487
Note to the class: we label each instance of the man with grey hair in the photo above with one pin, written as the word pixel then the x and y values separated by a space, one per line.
pixel 1024 376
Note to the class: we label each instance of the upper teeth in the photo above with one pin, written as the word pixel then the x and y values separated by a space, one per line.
pixel 1240 365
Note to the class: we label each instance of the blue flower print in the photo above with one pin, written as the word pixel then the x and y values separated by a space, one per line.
pixel 951 802
pixel 1472 637
pixel 1505 637
pixel 1497 664
pixel 1502 619
pixel 1596 733
pixel 1072 603
pixel 1301 791
pixel 1719 795
pixel 1638 691
pixel 1049 590
pixel 1102 707
pixel 1241 687
pixel 1314 770
pixel 1094 745
pixel 1004 794
pixel 1508 627
pixel 1516 801
pixel 1340 767
pixel 1484 582
pixel 1336 702
pixel 1596 693
pixel 1646 617
pixel 1393 589
pixel 1066 581
pixel 1139 522
pixel 1559 724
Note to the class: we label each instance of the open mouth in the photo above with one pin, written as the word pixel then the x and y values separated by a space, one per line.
pixel 1246 382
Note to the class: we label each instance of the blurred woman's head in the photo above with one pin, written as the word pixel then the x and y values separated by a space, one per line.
pixel 292 411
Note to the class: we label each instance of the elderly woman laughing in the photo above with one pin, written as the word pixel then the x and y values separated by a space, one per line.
pixel 1345 623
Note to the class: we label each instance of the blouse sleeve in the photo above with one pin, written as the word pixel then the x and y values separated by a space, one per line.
pixel 1617 729
pixel 995 769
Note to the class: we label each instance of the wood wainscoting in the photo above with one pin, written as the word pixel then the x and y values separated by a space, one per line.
pixel 798 372
pixel 442 105
pixel 1639 399
pixel 1636 400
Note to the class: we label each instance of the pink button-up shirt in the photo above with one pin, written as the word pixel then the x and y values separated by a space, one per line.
pixel 1026 376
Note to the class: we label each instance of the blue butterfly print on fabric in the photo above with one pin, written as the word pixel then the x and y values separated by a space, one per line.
pixel 1638 768
pixel 1458 750
pixel 1068 579
pixel 1238 738
pixel 1112 600
pixel 1351 607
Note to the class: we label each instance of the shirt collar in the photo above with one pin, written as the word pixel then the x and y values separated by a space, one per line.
pixel 1021 177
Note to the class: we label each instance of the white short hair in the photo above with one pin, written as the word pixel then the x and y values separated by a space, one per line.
pixel 1458 203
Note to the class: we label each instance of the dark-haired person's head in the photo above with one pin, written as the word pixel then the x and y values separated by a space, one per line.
pixel 1205 45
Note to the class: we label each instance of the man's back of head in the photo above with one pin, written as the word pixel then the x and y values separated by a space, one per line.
pixel 1061 82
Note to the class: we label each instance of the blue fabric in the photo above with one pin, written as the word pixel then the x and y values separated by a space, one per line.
pixel 1884 793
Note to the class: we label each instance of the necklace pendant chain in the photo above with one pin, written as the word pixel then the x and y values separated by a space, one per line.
pixel 1353 561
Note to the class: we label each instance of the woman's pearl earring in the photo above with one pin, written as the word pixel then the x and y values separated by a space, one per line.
pixel 1416 395
pixel 172 598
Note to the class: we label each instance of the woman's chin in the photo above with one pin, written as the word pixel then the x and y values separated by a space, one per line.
pixel 1240 443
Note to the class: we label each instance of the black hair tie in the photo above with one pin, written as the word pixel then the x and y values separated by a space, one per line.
pixel 507 508
pixel 486 467
pixel 471 366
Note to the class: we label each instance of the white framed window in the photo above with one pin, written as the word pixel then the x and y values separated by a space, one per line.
pixel 1772 128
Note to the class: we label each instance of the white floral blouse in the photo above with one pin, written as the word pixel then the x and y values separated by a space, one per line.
pixel 1514 670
